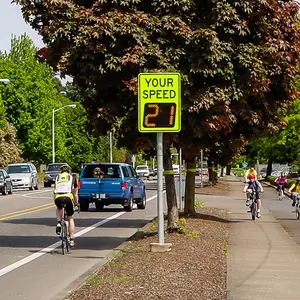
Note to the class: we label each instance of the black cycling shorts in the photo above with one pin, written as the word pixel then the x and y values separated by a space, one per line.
pixel 69 204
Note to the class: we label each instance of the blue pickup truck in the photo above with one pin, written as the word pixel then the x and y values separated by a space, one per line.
pixel 117 184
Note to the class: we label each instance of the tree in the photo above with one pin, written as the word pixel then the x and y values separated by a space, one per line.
pixel 9 150
pixel 237 60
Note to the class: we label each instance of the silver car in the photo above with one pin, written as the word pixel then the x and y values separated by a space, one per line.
pixel 23 175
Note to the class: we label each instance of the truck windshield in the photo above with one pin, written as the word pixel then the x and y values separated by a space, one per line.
pixel 55 167
pixel 106 171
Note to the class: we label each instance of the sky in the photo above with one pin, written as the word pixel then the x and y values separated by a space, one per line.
pixel 12 23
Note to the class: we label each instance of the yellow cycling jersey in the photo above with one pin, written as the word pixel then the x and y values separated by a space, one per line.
pixel 295 188
pixel 63 186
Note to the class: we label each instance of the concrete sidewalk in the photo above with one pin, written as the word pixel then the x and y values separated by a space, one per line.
pixel 263 261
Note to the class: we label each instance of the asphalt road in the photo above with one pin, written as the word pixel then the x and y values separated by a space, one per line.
pixel 31 264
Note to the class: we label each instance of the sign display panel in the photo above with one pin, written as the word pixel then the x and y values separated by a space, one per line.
pixel 159 102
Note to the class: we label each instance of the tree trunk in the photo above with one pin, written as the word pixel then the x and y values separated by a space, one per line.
pixel 269 168
pixel 214 173
pixel 228 169
pixel 210 173
pixel 189 197
pixel 170 190
pixel 222 172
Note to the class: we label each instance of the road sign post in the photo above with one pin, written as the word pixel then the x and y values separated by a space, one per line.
pixel 159 111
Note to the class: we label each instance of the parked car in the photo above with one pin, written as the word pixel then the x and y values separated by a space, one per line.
pixel 51 172
pixel 263 172
pixel 118 184
pixel 142 171
pixel 151 172
pixel 5 183
pixel 23 175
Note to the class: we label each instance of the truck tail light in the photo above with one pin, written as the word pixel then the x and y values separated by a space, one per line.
pixel 123 186
pixel 79 184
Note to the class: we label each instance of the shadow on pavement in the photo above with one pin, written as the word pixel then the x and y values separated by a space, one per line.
pixel 82 223
pixel 36 243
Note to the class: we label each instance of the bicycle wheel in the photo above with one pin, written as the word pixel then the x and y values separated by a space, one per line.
pixel 253 210
pixel 297 212
pixel 280 194
pixel 67 238
pixel 63 237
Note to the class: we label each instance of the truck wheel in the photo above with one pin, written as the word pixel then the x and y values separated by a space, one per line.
pixel 129 207
pixel 142 203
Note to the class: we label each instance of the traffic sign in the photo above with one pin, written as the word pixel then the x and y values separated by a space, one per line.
pixel 245 164
pixel 159 105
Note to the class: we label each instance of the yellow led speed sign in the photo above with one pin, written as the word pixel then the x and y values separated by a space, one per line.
pixel 159 102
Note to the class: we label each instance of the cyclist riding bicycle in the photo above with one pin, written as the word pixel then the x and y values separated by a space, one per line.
pixel 66 192
pixel 255 186
pixel 280 181
pixel 250 171
pixel 295 190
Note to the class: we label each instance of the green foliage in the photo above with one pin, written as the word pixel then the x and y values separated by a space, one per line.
pixel 29 99
pixel 231 85
pixel 239 172
pixel 199 204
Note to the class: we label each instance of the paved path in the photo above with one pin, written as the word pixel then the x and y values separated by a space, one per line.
pixel 263 260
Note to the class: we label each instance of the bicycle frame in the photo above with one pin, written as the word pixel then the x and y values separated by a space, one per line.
pixel 253 205
pixel 64 235
pixel 297 207
pixel 280 192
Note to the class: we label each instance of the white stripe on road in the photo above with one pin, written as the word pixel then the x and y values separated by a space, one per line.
pixel 30 195
pixel 50 248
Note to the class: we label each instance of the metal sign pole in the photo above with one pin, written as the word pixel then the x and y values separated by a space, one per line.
pixel 180 180
pixel 160 191
pixel 201 169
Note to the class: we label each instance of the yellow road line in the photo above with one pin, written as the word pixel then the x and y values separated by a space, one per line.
pixel 26 211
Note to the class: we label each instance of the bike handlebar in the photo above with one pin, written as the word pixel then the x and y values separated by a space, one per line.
pixel 77 208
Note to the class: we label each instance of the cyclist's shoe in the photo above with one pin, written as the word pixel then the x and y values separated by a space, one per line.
pixel 258 215
pixel 247 202
pixel 72 243
pixel 58 228
pixel 294 203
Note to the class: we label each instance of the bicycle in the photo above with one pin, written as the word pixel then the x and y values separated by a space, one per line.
pixel 280 192
pixel 297 207
pixel 64 233
pixel 253 205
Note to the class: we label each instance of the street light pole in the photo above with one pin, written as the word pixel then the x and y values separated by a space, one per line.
pixel 53 128
pixel 4 80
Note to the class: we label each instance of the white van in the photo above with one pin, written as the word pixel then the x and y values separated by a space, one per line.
pixel 142 171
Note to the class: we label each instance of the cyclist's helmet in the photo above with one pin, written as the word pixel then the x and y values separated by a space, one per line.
pixel 251 176
pixel 65 168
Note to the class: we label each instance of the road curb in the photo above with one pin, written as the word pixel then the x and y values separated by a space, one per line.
pixel 81 280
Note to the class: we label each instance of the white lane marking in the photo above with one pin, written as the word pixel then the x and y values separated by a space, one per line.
pixel 50 248
pixel 34 193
